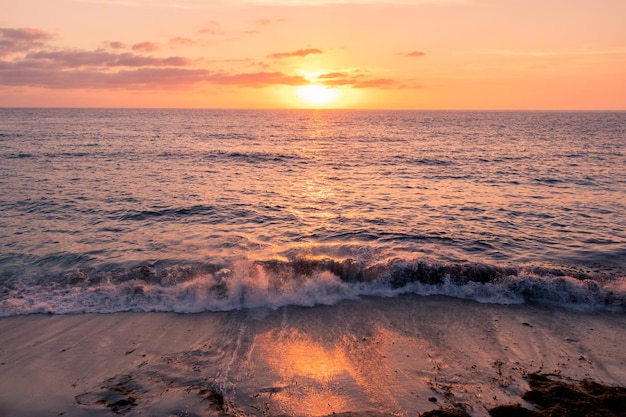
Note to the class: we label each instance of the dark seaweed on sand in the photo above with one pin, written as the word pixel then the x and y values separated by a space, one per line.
pixel 585 398
pixel 557 398
pixel 445 412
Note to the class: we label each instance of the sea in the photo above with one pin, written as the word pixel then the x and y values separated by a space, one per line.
pixel 187 211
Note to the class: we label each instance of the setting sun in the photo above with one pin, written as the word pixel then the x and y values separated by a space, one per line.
pixel 267 54
pixel 315 95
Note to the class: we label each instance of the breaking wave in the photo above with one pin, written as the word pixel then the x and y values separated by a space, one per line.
pixel 192 288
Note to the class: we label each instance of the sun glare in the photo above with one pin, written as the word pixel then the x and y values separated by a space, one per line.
pixel 315 95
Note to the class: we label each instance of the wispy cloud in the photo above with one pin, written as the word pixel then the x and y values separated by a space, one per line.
pixel 211 28
pixel 258 79
pixel 145 47
pixel 20 40
pixel 29 60
pixel 37 75
pixel 298 53
pixel 261 25
pixel 41 65
pixel 376 83
pixel 181 41
pixel 413 54
pixel 78 58
pixel 210 31
pixel 116 45
pixel 354 79
pixel 339 79
pixel 267 22
pixel 334 75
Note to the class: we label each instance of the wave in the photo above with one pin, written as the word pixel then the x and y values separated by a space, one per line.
pixel 252 157
pixel 197 210
pixel 197 287
pixel 423 161
pixel 19 155
pixel 248 157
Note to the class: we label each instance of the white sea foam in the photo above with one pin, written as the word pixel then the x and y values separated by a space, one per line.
pixel 250 285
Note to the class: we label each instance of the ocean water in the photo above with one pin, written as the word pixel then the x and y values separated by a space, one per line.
pixel 206 210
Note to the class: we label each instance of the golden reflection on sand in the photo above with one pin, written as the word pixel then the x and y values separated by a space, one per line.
pixel 306 358
pixel 319 378
pixel 345 372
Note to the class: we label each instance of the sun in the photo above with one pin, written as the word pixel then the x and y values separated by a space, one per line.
pixel 316 95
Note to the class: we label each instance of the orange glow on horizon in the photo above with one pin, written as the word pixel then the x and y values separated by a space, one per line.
pixel 272 54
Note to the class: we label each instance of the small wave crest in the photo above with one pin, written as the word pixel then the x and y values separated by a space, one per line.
pixel 272 284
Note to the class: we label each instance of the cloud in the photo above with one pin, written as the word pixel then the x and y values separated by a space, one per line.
pixel 145 47
pixel 21 40
pixel 39 73
pixel 260 25
pixel 228 60
pixel 377 83
pixel 261 64
pixel 413 54
pixel 210 31
pixel 212 28
pixel 336 75
pixel 339 79
pixel 258 79
pixel 24 35
pixel 299 52
pixel 116 45
pixel 267 22
pixel 180 41
pixel 78 58
pixel 148 78
pixel 36 63
pixel 354 79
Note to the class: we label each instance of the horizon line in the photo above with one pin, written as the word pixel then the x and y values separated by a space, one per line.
pixel 308 109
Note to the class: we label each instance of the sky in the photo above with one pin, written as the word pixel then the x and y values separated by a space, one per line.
pixel 361 54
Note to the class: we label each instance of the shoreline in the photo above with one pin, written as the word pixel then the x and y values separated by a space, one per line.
pixel 400 356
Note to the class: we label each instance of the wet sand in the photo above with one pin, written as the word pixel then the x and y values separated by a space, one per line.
pixel 400 356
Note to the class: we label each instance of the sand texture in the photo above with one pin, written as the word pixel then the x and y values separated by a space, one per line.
pixel 401 356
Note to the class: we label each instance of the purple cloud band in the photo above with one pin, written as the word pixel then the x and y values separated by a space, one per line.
pixel 27 59
pixel 298 53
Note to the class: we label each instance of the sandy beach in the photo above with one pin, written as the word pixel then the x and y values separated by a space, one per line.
pixel 401 356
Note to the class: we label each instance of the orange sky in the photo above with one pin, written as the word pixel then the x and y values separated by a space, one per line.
pixel 401 54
